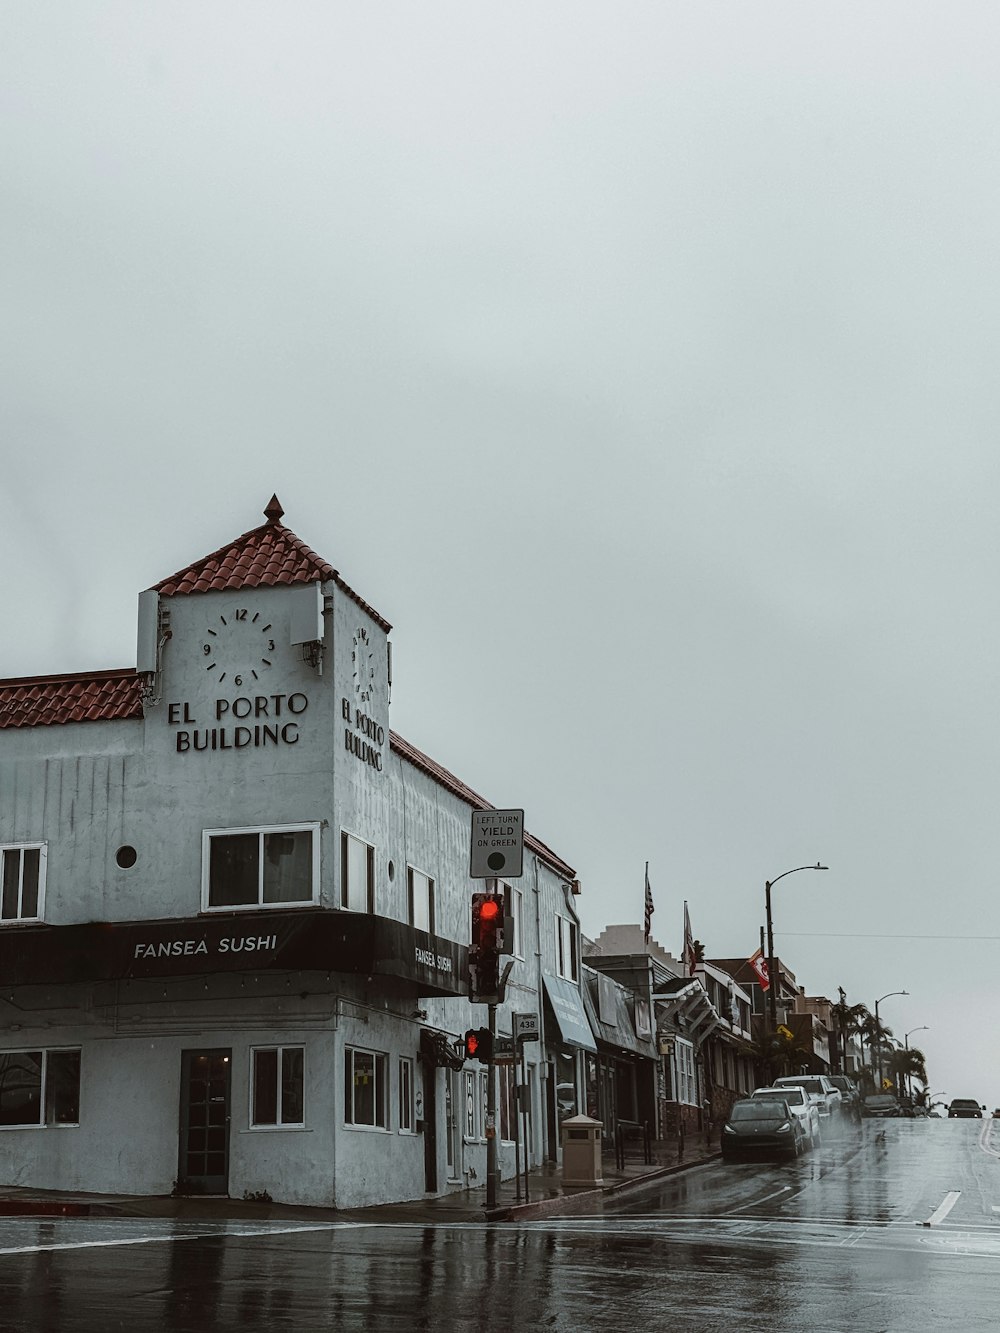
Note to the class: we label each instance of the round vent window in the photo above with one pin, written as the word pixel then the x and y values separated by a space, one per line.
pixel 126 857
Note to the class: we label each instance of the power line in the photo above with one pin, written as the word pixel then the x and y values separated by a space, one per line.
pixel 860 935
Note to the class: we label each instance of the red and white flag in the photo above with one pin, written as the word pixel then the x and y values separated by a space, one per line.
pixel 759 964
pixel 649 906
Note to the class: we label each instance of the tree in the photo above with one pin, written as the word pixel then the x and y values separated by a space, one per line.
pixel 850 1020
pixel 774 1052
pixel 904 1063
pixel 877 1035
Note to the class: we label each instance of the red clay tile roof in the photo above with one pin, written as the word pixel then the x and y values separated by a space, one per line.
pixel 265 557
pixel 458 788
pixel 85 696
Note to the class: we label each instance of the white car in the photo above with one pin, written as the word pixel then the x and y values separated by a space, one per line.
pixel 828 1099
pixel 801 1105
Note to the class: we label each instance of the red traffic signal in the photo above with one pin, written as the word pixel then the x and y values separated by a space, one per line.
pixel 479 1045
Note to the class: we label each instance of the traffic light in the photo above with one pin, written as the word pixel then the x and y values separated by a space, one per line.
pixel 485 948
pixel 479 1045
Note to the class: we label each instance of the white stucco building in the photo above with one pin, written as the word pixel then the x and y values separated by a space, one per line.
pixel 235 913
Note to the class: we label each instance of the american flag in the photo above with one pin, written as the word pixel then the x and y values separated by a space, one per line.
pixel 649 907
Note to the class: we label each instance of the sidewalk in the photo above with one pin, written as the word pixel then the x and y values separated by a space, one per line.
pixel 547 1197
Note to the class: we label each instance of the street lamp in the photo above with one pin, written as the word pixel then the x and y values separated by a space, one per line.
pixel 906 1047
pixel 878 1034
pixel 772 974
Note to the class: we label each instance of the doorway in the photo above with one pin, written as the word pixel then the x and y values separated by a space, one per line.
pixel 203 1158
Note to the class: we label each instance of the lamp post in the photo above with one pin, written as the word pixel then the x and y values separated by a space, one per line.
pixel 771 969
pixel 906 1047
pixel 878 1034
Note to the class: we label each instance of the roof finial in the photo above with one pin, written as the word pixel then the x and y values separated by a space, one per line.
pixel 274 511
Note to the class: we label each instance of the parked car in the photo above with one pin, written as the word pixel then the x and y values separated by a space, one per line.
pixel 827 1098
pixel 964 1108
pixel 799 1103
pixel 850 1096
pixel 761 1127
pixel 881 1105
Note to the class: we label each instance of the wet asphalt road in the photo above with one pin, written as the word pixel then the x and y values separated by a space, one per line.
pixel 834 1242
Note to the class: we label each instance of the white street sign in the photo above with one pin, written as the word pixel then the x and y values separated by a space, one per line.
pixel 526 1027
pixel 497 848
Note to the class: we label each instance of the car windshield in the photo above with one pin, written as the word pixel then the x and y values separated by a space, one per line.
pixel 880 1099
pixel 966 1101
pixel 754 1111
pixel 793 1096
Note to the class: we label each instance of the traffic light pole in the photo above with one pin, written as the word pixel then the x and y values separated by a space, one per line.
pixel 491 1117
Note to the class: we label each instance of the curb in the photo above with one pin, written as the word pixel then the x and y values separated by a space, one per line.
pixel 568 1205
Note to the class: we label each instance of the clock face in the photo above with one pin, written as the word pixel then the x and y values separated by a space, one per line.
pixel 363 665
pixel 238 648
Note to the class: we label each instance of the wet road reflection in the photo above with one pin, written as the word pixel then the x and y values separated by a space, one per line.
pixel 835 1242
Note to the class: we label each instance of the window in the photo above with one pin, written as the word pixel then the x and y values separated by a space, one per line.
pixel 406 1118
pixel 357 874
pixel 684 1072
pixel 515 899
pixel 420 893
pixel 364 1088
pixel 566 955
pixel 40 1088
pixel 276 1091
pixel 22 873
pixel 471 1105
pixel 263 867
pixel 507 1099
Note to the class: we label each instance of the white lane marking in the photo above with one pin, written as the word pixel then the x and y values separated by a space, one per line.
pixel 943 1209
pixel 112 1242
pixel 785 1189
pixel 985 1135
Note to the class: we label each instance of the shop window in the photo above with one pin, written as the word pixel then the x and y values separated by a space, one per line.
pixel 407 1124
pixel 420 896
pixel 22 876
pixel 40 1087
pixel 277 1085
pixel 567 960
pixel 357 874
pixel 507 1102
pixel 364 1088
pixel 275 866
pixel 471 1105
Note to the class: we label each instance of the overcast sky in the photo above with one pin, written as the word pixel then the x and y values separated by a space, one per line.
pixel 638 362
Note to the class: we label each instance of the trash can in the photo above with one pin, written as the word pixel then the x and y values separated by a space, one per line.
pixel 581 1150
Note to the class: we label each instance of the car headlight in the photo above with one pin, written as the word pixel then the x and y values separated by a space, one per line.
pixel 785 1128
pixel 728 1129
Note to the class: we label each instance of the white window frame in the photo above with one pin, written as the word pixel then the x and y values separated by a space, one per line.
pixel 405 1103
pixel 412 875
pixel 516 900
pixel 279 1123
pixel 260 829
pixel 685 1077
pixel 507 1102
pixel 471 1119
pixel 42 1122
pixel 567 948
pixel 484 1093
pixel 381 1090
pixel 346 838
pixel 21 847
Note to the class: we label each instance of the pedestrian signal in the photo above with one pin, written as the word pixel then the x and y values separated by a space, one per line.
pixel 479 1045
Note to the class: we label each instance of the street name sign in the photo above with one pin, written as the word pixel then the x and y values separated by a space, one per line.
pixel 497 845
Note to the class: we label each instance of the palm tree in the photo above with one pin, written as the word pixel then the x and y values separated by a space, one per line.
pixel 877 1035
pixel 904 1063
pixel 850 1020
pixel 773 1053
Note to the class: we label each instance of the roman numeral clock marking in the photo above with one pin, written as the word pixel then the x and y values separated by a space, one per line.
pixel 238 647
